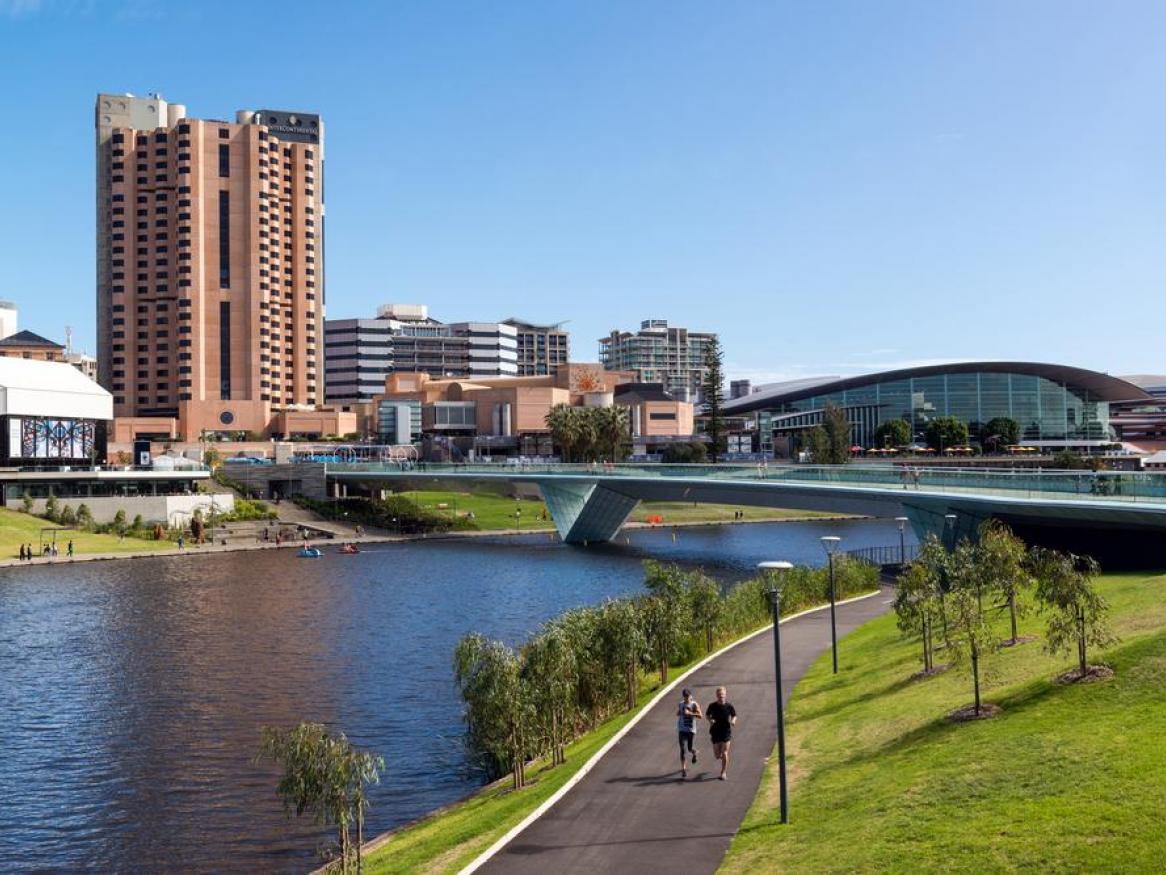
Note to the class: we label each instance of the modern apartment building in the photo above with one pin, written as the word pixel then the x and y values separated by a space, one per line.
pixel 360 353
pixel 660 353
pixel 541 348
pixel 210 263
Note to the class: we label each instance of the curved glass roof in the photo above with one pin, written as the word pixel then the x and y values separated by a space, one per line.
pixel 1101 386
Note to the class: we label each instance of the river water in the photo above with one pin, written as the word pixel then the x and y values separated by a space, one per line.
pixel 132 692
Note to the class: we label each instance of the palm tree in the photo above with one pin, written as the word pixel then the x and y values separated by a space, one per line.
pixel 564 428
pixel 614 428
pixel 588 430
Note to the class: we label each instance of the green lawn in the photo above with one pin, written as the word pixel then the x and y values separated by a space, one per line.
pixel 687 512
pixel 491 512
pixel 1065 779
pixel 496 512
pixel 18 528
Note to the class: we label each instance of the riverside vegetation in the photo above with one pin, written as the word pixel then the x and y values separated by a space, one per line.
pixel 609 665
pixel 584 666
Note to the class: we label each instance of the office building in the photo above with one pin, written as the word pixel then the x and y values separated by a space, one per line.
pixel 541 348
pixel 740 388
pixel 453 419
pixel 210 255
pixel 360 353
pixel 660 353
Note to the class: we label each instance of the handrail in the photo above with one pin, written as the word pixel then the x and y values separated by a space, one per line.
pixel 1107 486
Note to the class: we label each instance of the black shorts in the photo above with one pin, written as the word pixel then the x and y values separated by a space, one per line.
pixel 722 739
pixel 686 739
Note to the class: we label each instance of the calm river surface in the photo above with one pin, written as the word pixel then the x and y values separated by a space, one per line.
pixel 132 692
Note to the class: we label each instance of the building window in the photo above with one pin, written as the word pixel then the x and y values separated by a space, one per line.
pixel 224 160
pixel 224 239
pixel 225 350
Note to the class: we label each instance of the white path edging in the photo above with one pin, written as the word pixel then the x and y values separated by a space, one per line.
pixel 514 831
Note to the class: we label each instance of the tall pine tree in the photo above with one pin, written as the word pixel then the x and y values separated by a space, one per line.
pixel 714 397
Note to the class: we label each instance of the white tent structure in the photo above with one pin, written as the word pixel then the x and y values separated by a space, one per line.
pixel 50 389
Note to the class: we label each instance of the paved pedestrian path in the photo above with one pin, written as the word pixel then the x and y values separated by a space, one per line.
pixel 632 813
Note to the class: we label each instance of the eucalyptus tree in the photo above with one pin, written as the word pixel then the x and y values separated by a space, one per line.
pixel 917 606
pixel 1002 560
pixel 549 668
pixel 1077 613
pixel 706 605
pixel 665 612
pixel 498 709
pixel 326 776
pixel 971 639
pixel 623 642
pixel 936 560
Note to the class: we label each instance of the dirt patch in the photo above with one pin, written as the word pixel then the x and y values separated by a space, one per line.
pixel 1023 639
pixel 929 672
pixel 968 713
pixel 1092 674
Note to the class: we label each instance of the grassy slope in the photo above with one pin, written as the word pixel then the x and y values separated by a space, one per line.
pixel 18 528
pixel 1067 778
pixel 496 512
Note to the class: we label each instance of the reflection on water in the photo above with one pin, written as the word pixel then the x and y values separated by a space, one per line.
pixel 132 692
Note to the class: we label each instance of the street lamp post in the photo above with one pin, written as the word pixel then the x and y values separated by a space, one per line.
pixel 830 545
pixel 774 594
pixel 902 521
pixel 949 521
pixel 518 519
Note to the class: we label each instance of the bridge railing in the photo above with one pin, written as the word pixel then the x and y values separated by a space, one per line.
pixel 1123 486
pixel 886 554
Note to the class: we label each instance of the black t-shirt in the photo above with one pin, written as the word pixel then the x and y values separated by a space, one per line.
pixel 718 716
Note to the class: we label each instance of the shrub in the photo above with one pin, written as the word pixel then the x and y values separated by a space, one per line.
pixel 52 509
pixel 67 516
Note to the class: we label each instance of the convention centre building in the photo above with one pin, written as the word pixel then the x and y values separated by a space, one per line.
pixel 1055 406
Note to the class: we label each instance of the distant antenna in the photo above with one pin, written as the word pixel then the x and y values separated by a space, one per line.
pixel 68 340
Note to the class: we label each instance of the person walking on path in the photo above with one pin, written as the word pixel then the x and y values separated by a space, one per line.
pixel 70 548
pixel 722 716
pixel 687 711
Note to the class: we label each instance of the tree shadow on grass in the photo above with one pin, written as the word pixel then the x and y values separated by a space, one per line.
pixel 890 689
pixel 1030 694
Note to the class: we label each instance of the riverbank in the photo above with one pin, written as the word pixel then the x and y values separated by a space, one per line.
pixel 111 547
pixel 465 832
pixel 1067 777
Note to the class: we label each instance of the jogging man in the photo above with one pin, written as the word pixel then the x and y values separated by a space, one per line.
pixel 721 716
pixel 686 712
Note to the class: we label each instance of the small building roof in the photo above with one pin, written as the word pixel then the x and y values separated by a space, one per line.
pixel 641 392
pixel 29 338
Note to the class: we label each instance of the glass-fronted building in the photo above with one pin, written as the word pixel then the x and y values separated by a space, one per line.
pixel 1051 404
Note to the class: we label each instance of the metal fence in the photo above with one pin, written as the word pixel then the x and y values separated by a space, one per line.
pixel 887 554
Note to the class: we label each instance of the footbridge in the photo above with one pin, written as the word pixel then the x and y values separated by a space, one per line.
pixel 1100 512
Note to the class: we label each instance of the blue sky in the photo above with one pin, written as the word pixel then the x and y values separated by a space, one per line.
pixel 834 187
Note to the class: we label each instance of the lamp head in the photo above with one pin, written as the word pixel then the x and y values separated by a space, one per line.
pixel 830 544
pixel 902 521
